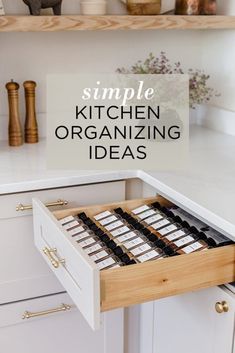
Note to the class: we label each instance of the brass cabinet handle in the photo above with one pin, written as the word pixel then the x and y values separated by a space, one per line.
pixel 53 257
pixel 62 307
pixel 221 307
pixel 59 202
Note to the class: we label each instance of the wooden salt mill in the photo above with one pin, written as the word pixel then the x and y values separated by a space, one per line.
pixel 31 126
pixel 15 137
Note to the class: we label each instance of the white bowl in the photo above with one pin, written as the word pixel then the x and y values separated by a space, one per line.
pixel 93 7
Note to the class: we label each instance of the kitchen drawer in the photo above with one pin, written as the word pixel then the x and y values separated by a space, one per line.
pixel 30 310
pixel 20 204
pixel 23 273
pixel 94 291
pixel 53 324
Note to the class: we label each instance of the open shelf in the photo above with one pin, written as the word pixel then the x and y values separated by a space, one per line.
pixel 112 22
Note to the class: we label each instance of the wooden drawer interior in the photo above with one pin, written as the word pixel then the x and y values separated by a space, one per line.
pixel 140 283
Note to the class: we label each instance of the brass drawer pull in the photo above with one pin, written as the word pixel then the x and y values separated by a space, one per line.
pixel 221 307
pixel 53 257
pixel 59 202
pixel 62 307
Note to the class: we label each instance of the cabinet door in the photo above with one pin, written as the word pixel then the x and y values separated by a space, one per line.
pixel 48 329
pixel 190 323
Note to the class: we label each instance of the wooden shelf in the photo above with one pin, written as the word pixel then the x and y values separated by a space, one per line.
pixel 112 22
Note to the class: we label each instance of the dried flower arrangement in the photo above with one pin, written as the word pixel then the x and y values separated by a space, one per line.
pixel 199 91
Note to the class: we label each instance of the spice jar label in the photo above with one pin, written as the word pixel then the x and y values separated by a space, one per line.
pixel 102 215
pixel 140 209
pixel 148 256
pixel 114 225
pixel 106 263
pixel 81 236
pixel 130 244
pixel 87 242
pixel 66 220
pixel 153 219
pixel 120 231
pixel 73 224
pixel 160 224
pixel 141 249
pixel 100 255
pixel 126 236
pixel 168 229
pixel 191 248
pixel 75 231
pixel 184 241
pixel 146 214
pixel 108 220
pixel 175 235
pixel 93 248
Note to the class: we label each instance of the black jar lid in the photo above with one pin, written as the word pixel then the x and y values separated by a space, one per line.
pixel 167 211
pixel 160 244
pixel 125 258
pixel 202 235
pixel 119 210
pixel 88 222
pixel 152 237
pixel 132 222
pixel 125 215
pixel 94 228
pixel 118 251
pixel 138 226
pixel 99 232
pixel 177 219
pixel 211 242
pixel 82 216
pixel 168 250
pixel 111 244
pixel 156 205
pixel 145 231
pixel 193 230
pixel 185 224
pixel 105 238
pixel 129 218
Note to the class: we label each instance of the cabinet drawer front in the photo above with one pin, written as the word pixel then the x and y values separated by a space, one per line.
pixel 127 285
pixel 70 196
pixel 79 275
pixel 35 309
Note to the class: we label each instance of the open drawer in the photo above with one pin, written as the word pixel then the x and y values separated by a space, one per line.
pixel 94 291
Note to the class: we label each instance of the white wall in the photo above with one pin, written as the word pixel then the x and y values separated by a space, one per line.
pixel 25 56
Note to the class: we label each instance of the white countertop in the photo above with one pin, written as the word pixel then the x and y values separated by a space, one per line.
pixel 206 188
pixel 24 169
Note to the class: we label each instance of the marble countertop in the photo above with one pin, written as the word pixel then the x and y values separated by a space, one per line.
pixel 206 187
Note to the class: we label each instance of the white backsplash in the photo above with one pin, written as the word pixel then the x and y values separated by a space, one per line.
pixel 26 56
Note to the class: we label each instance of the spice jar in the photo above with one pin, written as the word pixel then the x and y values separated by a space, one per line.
pixel 208 7
pixel 187 7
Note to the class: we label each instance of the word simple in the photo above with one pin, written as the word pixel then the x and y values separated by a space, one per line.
pixel 124 94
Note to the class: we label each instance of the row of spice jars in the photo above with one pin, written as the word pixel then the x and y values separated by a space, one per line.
pixel 86 239
pixel 114 247
pixel 114 238
pixel 173 237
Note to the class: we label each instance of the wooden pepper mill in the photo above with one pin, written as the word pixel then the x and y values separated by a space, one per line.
pixel 31 126
pixel 15 137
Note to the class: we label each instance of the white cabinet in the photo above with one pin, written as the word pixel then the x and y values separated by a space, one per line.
pixel 60 332
pixel 23 274
pixel 188 323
